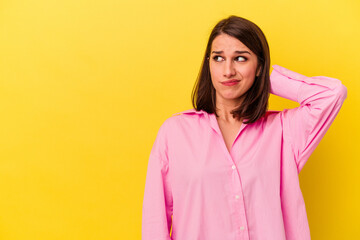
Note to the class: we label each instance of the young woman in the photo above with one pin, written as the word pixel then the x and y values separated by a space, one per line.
pixel 228 169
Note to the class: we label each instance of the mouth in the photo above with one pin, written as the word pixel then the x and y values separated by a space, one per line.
pixel 230 82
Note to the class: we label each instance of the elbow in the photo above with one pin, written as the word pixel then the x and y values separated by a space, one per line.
pixel 341 92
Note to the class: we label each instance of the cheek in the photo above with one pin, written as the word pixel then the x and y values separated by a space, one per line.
pixel 214 74
pixel 214 71
pixel 211 67
pixel 249 73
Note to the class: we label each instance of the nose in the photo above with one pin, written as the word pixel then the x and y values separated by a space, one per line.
pixel 229 69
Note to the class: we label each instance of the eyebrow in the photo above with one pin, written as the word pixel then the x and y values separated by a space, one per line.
pixel 218 52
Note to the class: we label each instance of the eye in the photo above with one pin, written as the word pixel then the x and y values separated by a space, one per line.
pixel 216 58
pixel 241 58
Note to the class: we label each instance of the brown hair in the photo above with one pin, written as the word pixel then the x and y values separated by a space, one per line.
pixel 255 102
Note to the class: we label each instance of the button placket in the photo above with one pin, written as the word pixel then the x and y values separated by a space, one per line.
pixel 237 190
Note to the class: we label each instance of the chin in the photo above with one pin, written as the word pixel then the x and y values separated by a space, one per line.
pixel 232 98
pixel 233 95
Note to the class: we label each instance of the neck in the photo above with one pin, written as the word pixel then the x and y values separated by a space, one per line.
pixel 224 108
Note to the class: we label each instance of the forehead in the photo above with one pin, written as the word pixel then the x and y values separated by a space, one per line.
pixel 224 42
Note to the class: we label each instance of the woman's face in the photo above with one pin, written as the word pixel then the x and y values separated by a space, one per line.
pixel 231 60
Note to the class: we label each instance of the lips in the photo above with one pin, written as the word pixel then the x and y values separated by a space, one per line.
pixel 231 81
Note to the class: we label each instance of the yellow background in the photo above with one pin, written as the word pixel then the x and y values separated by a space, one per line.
pixel 85 86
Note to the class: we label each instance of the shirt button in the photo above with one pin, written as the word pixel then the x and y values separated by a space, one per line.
pixel 233 167
pixel 242 228
pixel 237 196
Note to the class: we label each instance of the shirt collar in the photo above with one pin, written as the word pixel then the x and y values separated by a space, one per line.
pixel 191 111
pixel 215 125
pixel 211 118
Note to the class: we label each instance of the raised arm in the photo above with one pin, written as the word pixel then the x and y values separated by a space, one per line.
pixel 320 100
pixel 157 203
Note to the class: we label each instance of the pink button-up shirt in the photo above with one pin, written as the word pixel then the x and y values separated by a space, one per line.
pixel 198 190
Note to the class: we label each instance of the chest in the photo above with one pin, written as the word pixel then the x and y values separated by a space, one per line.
pixel 199 156
pixel 229 133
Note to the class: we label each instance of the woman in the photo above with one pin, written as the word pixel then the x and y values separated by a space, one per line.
pixel 228 169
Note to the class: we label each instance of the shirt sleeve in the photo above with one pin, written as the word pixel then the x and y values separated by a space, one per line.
pixel 320 100
pixel 157 202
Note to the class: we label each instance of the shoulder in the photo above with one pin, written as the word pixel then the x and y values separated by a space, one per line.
pixel 270 116
pixel 186 119
pixel 175 117
pixel 189 112
pixel 271 113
